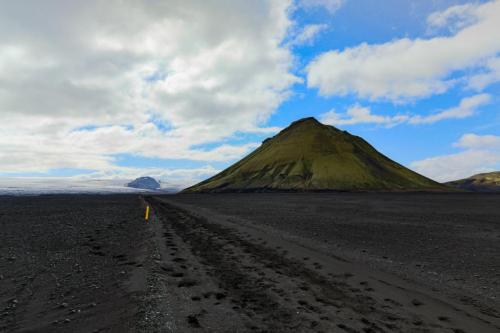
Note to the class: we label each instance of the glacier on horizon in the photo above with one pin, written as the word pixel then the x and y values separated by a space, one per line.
pixel 50 185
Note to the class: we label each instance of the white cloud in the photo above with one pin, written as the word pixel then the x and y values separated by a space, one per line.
pixel 308 34
pixel 94 149
pixel 466 108
pixel 120 67
pixel 358 115
pixel 407 69
pixel 490 75
pixel 453 18
pixel 473 141
pixel 481 154
pixel 330 5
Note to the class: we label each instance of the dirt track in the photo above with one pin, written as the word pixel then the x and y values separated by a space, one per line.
pixel 446 241
pixel 242 279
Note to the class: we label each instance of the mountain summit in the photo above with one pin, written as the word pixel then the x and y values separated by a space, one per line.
pixel 310 156
pixel 145 183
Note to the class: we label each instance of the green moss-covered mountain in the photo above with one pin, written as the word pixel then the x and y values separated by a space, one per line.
pixel 483 182
pixel 310 156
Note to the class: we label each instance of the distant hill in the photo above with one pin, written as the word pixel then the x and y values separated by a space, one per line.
pixel 310 156
pixel 483 182
pixel 145 183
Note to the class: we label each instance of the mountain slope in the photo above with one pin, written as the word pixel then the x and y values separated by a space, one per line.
pixel 483 182
pixel 309 156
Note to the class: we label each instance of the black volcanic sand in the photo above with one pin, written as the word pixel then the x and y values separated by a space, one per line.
pixel 448 241
pixel 70 263
pixel 241 263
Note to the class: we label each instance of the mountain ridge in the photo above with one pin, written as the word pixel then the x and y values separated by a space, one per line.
pixel 481 182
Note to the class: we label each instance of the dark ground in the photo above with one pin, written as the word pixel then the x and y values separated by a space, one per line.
pixel 443 239
pixel 250 263
pixel 65 262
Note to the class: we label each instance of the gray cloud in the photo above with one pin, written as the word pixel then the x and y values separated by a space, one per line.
pixel 204 69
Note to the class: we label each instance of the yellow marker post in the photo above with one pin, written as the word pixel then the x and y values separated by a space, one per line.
pixel 147 213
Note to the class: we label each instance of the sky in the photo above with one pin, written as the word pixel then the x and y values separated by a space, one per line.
pixel 181 89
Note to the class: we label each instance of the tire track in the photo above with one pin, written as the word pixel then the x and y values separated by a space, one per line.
pixel 270 292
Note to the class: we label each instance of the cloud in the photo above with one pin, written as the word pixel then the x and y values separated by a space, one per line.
pixel 152 79
pixel 308 34
pixel 330 5
pixel 490 75
pixel 358 115
pixel 453 18
pixel 466 108
pixel 473 141
pixel 481 154
pixel 406 69
pixel 95 149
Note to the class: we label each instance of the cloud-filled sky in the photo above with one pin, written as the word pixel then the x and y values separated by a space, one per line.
pixel 181 89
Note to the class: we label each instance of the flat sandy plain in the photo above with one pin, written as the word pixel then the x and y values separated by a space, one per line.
pixel 333 262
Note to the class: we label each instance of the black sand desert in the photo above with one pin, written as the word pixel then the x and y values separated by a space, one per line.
pixel 331 262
